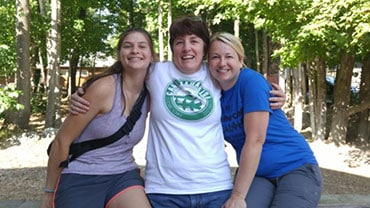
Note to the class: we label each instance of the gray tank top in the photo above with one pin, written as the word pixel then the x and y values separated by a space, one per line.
pixel 114 158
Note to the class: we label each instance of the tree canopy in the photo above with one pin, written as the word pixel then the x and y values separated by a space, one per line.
pixel 320 35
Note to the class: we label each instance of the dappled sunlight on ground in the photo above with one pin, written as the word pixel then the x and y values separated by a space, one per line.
pixel 345 169
pixel 344 158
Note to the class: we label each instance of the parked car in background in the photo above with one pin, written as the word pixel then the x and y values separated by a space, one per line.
pixel 330 82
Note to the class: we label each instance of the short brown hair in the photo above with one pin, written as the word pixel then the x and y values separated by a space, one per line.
pixel 189 25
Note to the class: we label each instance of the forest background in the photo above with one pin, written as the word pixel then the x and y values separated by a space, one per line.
pixel 299 43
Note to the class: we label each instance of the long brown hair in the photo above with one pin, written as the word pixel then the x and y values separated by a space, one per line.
pixel 117 67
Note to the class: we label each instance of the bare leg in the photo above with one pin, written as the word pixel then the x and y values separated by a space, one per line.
pixel 132 198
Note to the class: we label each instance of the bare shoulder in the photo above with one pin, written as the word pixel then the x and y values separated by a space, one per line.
pixel 101 87
pixel 100 94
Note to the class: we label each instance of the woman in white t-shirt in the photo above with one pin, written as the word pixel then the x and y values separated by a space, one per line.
pixel 186 160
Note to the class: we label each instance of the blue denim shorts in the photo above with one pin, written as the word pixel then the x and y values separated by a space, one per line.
pixel 94 191
pixel 203 200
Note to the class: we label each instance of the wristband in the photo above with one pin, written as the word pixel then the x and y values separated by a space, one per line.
pixel 47 190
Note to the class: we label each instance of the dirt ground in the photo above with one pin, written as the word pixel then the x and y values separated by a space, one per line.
pixel 23 159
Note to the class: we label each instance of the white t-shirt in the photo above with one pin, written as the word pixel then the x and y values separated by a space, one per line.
pixel 185 152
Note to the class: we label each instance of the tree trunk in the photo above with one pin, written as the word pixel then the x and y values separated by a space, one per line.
pixel 312 86
pixel 339 123
pixel 265 54
pixel 237 27
pixel 364 121
pixel 297 95
pixel 320 101
pixel 258 65
pixel 35 73
pixel 81 60
pixel 23 80
pixel 304 82
pixel 53 116
pixel 73 65
pixel 273 70
pixel 288 87
pixel 160 31
pixel 43 79
pixel 249 53
pixel 42 7
pixel 169 22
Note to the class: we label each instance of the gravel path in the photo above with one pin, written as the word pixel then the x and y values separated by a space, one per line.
pixel 346 170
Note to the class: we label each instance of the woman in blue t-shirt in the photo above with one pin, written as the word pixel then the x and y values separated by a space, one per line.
pixel 277 168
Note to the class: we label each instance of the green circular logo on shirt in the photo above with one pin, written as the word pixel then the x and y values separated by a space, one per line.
pixel 188 100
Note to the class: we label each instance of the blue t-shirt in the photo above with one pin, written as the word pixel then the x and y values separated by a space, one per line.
pixel 284 149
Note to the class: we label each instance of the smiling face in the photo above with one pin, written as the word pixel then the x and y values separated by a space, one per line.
pixel 224 63
pixel 189 40
pixel 188 53
pixel 135 51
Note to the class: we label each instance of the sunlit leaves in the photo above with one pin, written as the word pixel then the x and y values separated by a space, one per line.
pixel 7 41
pixel 314 28
pixel 9 98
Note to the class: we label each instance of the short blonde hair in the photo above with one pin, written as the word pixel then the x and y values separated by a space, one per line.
pixel 232 41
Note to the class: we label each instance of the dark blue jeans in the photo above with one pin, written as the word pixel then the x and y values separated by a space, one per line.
pixel 204 200
pixel 299 188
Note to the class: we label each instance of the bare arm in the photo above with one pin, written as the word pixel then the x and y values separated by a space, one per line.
pixel 278 100
pixel 72 127
pixel 255 126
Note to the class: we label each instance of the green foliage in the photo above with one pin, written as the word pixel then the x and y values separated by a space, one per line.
pixel 9 99
pixel 84 31
pixel 7 42
pixel 38 103
pixel 39 26
pixel 7 61
pixel 309 29
pixel 305 29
